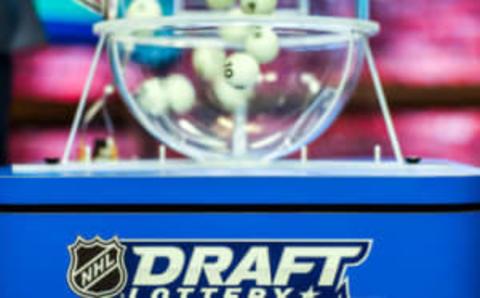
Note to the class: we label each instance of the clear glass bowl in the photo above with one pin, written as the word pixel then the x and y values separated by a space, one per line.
pixel 217 85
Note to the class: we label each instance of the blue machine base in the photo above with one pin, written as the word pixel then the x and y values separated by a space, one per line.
pixel 394 235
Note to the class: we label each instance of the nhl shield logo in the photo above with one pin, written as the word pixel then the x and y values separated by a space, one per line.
pixel 97 267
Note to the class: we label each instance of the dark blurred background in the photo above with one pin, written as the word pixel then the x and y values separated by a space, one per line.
pixel 428 54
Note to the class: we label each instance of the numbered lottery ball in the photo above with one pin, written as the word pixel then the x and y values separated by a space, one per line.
pixel 263 44
pixel 235 33
pixel 258 6
pixel 208 62
pixel 144 9
pixel 220 4
pixel 241 71
pixel 229 97
pixel 153 98
pixel 181 93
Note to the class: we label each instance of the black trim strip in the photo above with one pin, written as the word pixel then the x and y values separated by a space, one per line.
pixel 149 209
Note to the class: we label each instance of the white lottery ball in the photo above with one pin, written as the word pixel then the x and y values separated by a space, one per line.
pixel 241 71
pixel 208 62
pixel 258 6
pixel 144 9
pixel 152 97
pixel 263 44
pixel 181 93
pixel 235 33
pixel 229 97
pixel 220 4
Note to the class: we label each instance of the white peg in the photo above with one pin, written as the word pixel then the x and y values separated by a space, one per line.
pixel 88 155
pixel 162 154
pixel 304 154
pixel 377 154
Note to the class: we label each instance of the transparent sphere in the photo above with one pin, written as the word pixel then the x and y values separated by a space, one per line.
pixel 216 82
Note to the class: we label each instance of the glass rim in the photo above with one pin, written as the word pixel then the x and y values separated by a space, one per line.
pixel 318 23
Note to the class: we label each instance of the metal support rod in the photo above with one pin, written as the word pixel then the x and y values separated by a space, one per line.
pixel 397 150
pixel 83 100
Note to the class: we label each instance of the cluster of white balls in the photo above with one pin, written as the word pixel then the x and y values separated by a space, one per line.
pixel 234 77
pixel 158 96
